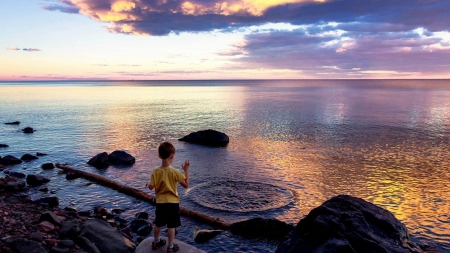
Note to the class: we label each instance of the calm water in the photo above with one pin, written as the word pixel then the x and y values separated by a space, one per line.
pixel 293 145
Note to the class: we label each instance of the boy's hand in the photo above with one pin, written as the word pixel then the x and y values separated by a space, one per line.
pixel 185 165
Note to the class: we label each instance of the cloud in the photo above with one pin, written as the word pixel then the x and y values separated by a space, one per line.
pixel 161 17
pixel 31 49
pixel 13 48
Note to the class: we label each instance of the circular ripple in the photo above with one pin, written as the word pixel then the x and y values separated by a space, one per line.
pixel 240 196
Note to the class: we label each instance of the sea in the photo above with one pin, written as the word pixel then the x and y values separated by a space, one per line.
pixel 293 145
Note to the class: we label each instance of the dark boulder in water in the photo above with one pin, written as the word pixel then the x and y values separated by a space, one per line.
pixel 13 123
pixel 10 160
pixel 48 201
pixel 40 154
pixel 35 180
pixel 47 166
pixel 141 227
pixel 204 235
pixel 259 227
pixel 100 161
pixel 348 224
pixel 28 157
pixel 208 138
pixel 28 130
pixel 120 157
pixel 3 146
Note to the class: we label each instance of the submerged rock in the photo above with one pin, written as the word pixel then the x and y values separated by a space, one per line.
pixel 259 227
pixel 48 201
pixel 207 137
pixel 348 224
pixel 13 123
pixel 3 146
pixel 47 166
pixel 28 157
pixel 35 180
pixel 121 157
pixel 40 154
pixel 28 130
pixel 204 235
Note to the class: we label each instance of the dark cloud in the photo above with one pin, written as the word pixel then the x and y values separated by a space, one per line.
pixel 157 17
pixel 31 49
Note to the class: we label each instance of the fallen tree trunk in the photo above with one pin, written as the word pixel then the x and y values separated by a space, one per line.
pixel 142 195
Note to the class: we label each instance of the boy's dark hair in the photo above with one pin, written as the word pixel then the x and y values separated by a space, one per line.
pixel 165 149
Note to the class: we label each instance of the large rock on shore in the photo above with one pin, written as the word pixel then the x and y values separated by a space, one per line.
pixel 106 238
pixel 208 138
pixel 348 224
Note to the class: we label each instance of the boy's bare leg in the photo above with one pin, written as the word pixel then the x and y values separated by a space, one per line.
pixel 157 232
pixel 171 235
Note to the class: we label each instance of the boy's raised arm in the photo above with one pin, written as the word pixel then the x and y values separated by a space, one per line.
pixel 185 166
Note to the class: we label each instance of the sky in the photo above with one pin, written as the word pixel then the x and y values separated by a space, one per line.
pixel 223 39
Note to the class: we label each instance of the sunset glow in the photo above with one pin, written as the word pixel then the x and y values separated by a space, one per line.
pixel 250 39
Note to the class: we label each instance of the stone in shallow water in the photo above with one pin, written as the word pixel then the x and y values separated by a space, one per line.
pixel 120 157
pixel 208 138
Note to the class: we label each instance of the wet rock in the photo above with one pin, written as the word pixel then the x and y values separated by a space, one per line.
pixel 142 215
pixel 10 160
pixel 17 174
pixel 59 249
pixel 72 176
pixel 47 226
pixel 121 222
pixel 100 161
pixel 36 236
pixel 35 180
pixel 141 227
pixel 87 245
pixel 66 243
pixel 348 224
pixel 47 166
pixel 50 217
pixel 48 201
pixel 40 154
pixel 28 130
pixel 207 137
pixel 3 145
pixel 70 229
pixel 120 157
pixel 259 227
pixel 204 235
pixel 44 189
pixel 100 210
pixel 14 186
pixel 70 209
pixel 106 238
pixel 117 211
pixel 27 246
pixel 13 123
pixel 28 157
pixel 18 199
pixel 127 231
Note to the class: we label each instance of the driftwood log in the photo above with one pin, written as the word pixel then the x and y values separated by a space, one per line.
pixel 142 195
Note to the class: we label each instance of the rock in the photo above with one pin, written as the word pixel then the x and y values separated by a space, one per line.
pixel 348 224
pixel 17 174
pixel 127 231
pixel 59 249
pixel 72 176
pixel 40 154
pixel 27 246
pixel 50 217
pixel 106 238
pixel 100 161
pixel 10 160
pixel 3 146
pixel 48 201
pixel 259 227
pixel 13 123
pixel 28 157
pixel 119 157
pixel 141 227
pixel 47 226
pixel 121 222
pixel 47 166
pixel 117 210
pixel 207 137
pixel 70 209
pixel 14 186
pixel 100 210
pixel 204 235
pixel 70 229
pixel 66 243
pixel 146 247
pixel 28 130
pixel 36 236
pixel 18 199
pixel 142 215
pixel 43 189
pixel 87 245
pixel 35 180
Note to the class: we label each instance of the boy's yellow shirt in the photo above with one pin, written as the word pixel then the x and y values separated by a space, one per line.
pixel 165 181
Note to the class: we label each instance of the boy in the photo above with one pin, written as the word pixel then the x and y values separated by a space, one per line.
pixel 164 180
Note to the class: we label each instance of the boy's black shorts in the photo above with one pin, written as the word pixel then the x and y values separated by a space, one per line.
pixel 168 214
